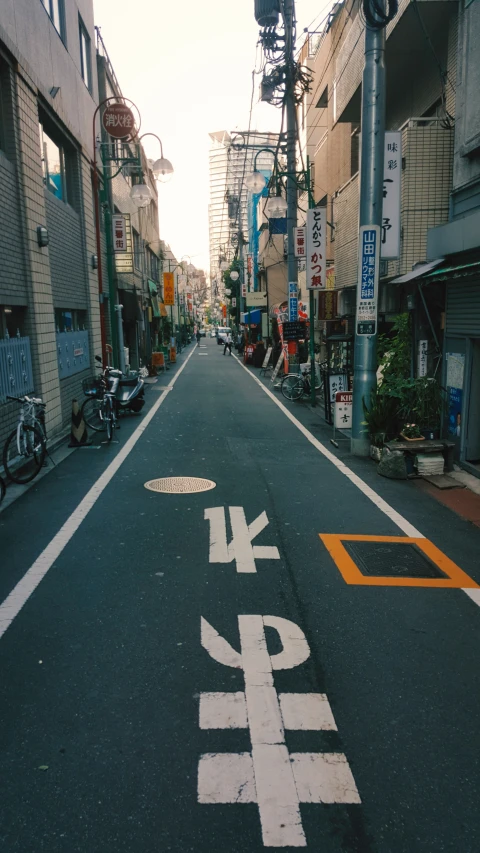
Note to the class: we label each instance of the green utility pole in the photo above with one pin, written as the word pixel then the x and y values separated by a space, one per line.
pixel 371 203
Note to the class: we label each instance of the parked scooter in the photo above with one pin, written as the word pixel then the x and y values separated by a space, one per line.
pixel 129 393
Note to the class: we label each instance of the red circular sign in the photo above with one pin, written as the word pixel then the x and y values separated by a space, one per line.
pixel 118 121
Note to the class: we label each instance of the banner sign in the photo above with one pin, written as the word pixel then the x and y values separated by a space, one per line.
pixel 392 174
pixel 317 248
pixel 367 289
pixel 168 288
pixel 300 237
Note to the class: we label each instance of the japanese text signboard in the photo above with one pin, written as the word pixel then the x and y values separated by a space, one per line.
pixel 292 301
pixel 422 358
pixel 368 269
pixel 343 409
pixel 392 173
pixel 168 288
pixel 316 249
pixel 122 243
pixel 294 331
pixel 119 227
pixel 300 242
pixel 118 121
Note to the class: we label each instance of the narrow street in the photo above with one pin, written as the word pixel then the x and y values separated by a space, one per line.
pixel 181 672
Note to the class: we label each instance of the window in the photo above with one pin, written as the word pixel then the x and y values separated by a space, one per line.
pixel 85 55
pixel 54 10
pixel 137 250
pixel 53 165
pixel 154 269
pixel 70 320
pixel 12 321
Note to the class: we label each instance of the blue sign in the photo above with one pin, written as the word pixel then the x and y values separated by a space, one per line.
pixel 455 411
pixel 293 309
pixel 292 288
pixel 368 256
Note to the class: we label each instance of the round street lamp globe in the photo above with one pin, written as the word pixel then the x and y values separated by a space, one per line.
pixel 255 182
pixel 162 167
pixel 141 195
pixel 276 207
pixel 234 275
pixel 223 266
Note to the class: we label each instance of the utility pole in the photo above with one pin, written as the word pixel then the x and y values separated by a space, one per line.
pixel 288 18
pixel 371 202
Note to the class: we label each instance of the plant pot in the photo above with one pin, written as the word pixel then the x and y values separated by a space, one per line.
pixel 375 452
pixel 406 438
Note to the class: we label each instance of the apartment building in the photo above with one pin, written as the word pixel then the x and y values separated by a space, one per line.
pixel 49 308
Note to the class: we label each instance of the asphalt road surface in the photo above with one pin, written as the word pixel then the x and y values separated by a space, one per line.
pixel 201 671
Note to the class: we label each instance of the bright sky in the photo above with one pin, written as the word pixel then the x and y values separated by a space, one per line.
pixel 188 67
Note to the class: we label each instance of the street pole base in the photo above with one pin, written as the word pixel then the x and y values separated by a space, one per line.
pixel 360 447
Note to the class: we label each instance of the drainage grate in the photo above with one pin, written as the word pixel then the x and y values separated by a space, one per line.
pixel 392 559
pixel 180 485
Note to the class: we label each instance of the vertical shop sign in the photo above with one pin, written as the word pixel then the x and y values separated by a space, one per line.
pixel 392 174
pixel 316 249
pixel 368 269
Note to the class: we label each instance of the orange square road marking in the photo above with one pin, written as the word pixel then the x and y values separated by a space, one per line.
pixel 456 578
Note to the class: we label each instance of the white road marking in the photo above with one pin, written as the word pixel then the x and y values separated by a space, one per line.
pixel 240 549
pixel 269 776
pixel 383 506
pixel 14 602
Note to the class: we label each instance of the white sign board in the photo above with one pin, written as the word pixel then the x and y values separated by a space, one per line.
pixel 267 358
pixel 256 299
pixel 278 366
pixel 244 290
pixel 300 238
pixel 422 358
pixel 392 174
pixel 343 409
pixel 119 229
pixel 368 269
pixel 337 382
pixel 316 249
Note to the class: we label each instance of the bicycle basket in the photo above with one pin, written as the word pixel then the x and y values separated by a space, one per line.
pixel 93 387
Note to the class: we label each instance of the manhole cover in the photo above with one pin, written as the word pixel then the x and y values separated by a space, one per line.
pixel 180 485
pixel 392 559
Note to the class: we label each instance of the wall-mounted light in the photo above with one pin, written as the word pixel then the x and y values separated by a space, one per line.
pixel 94 262
pixel 42 236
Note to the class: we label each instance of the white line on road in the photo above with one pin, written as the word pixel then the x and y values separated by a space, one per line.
pixel 14 602
pixel 383 506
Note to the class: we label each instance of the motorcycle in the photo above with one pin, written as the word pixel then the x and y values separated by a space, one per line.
pixel 129 392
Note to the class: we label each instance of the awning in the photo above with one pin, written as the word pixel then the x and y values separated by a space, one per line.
pixel 419 270
pixel 154 298
pixel 455 271
pixel 252 317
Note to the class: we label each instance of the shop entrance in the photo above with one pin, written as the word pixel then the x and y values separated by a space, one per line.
pixel 472 444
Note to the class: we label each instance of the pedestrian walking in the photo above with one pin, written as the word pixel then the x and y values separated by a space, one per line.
pixel 228 343
pixel 198 337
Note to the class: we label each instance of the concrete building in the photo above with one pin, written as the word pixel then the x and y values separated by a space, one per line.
pixel 49 307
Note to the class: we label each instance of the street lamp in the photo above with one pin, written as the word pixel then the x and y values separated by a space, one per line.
pixel 276 207
pixel 234 275
pixel 141 195
pixel 162 167
pixel 255 182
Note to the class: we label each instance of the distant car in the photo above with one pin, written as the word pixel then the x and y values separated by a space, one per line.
pixel 213 333
pixel 203 333
pixel 222 333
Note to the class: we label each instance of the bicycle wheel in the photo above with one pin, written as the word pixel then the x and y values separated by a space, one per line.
pixel 23 460
pixel 108 415
pixel 92 414
pixel 292 386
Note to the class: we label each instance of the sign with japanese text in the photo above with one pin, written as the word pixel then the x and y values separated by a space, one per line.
pixel 337 382
pixel 300 237
pixel 249 264
pixel 422 358
pixel 122 243
pixel 368 269
pixel 118 121
pixel 331 278
pixel 328 305
pixel 294 331
pixel 343 409
pixel 119 228
pixel 392 174
pixel 244 290
pixel 292 301
pixel 316 249
pixel 168 288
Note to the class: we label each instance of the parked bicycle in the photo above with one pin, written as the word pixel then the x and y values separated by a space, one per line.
pixel 295 385
pixel 100 408
pixel 26 447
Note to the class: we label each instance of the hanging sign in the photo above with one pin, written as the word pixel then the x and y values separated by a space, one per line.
pixel 367 289
pixel 256 298
pixel 392 173
pixel 168 288
pixel 122 243
pixel 316 249
pixel 300 238
pixel 118 121
pixel 119 227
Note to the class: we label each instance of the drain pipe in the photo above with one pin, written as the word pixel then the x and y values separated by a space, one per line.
pixel 121 350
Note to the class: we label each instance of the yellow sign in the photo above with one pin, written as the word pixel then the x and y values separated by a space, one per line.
pixel 168 288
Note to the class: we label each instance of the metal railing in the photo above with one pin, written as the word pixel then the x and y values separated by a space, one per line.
pixel 16 373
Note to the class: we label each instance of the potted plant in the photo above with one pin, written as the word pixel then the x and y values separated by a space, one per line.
pixel 379 420
pixel 411 432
